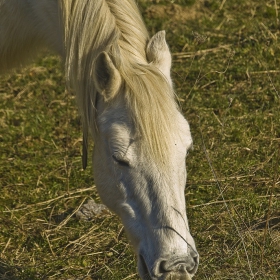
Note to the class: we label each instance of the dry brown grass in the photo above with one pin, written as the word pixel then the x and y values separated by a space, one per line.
pixel 226 72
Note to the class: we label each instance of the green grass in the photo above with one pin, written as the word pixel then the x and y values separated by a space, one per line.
pixel 227 76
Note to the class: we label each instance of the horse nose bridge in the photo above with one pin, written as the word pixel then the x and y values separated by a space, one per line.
pixel 169 228
pixel 169 204
pixel 170 224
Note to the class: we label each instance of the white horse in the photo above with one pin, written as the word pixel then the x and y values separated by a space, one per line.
pixel 124 92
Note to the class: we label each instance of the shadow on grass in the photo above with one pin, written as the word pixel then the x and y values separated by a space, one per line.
pixel 8 272
pixel 271 221
pixel 13 272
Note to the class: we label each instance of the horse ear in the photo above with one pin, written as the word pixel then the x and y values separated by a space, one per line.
pixel 158 53
pixel 107 78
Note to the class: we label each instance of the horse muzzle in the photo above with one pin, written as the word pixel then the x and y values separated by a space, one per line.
pixel 172 266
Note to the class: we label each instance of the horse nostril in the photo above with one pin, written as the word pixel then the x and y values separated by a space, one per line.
pixel 172 266
pixel 176 266
pixel 181 265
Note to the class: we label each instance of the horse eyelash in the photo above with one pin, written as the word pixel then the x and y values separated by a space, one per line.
pixel 120 161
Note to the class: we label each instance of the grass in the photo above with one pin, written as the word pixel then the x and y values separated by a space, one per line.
pixel 226 72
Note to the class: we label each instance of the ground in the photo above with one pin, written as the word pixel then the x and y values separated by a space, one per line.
pixel 226 72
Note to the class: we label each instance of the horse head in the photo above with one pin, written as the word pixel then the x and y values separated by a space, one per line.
pixel 144 189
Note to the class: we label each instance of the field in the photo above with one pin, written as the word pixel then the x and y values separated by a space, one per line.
pixel 226 71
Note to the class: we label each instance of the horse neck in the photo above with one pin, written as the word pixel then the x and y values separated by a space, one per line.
pixel 27 26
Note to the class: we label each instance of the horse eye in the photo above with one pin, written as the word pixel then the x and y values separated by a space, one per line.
pixel 120 160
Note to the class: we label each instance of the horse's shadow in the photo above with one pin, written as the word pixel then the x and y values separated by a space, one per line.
pixel 8 272
pixel 15 272
pixel 271 220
